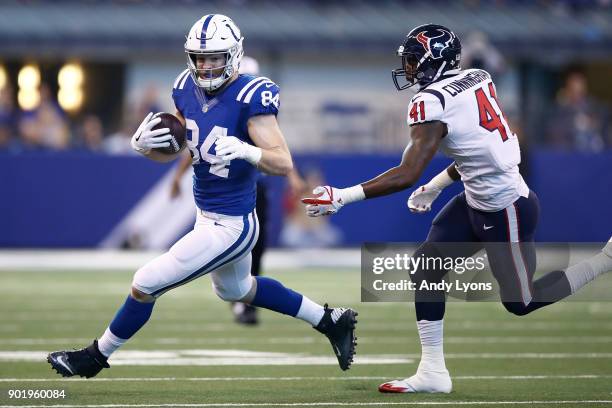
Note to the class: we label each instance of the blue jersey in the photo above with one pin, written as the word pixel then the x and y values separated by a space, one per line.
pixel 223 187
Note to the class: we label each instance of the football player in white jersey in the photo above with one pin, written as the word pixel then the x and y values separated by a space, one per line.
pixel 457 111
pixel 232 134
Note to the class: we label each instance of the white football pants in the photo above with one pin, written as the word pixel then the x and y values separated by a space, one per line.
pixel 218 244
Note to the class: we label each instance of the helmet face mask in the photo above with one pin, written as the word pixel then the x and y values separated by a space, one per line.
pixel 410 63
pixel 214 50
pixel 427 53
pixel 209 69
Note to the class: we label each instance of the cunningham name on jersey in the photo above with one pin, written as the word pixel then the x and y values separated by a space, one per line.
pixel 479 138
pixel 219 186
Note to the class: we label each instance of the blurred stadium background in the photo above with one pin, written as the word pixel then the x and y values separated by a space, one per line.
pixel 77 77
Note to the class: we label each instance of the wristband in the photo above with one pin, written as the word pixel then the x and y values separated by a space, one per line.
pixel 352 194
pixel 254 154
pixel 440 181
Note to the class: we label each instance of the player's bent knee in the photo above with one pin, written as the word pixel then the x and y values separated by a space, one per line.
pixel 233 292
pixel 158 274
pixel 516 308
pixel 141 296
pixel 250 295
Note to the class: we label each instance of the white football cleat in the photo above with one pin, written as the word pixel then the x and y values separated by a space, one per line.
pixel 422 381
pixel 608 248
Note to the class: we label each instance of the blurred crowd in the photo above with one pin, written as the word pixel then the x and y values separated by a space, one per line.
pixel 578 121
pixel 49 127
pixel 574 120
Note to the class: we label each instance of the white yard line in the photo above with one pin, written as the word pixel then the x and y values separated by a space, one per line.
pixel 211 357
pixel 318 404
pixel 200 357
pixel 318 339
pixel 109 260
pixel 353 378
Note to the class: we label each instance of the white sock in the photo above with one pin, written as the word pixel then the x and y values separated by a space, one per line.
pixel 310 311
pixel 584 272
pixel 108 343
pixel 432 351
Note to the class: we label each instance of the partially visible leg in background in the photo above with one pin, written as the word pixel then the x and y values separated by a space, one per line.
pixel 245 313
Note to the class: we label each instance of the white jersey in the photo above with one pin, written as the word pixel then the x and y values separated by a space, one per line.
pixel 479 139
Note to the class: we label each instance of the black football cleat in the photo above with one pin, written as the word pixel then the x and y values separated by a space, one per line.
pixel 338 324
pixel 248 316
pixel 244 314
pixel 86 362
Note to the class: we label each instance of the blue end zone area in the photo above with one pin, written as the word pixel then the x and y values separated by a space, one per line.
pixel 74 199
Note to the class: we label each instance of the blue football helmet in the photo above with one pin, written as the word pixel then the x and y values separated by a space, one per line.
pixel 427 53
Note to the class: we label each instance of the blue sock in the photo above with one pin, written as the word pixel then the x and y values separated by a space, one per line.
pixel 130 318
pixel 271 294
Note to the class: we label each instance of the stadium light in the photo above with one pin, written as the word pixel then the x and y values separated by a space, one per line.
pixel 28 77
pixel 70 99
pixel 28 99
pixel 28 80
pixel 70 79
pixel 70 76
pixel 3 77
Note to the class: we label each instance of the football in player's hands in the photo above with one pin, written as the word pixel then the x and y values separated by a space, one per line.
pixel 177 131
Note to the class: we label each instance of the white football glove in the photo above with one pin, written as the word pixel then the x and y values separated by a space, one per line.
pixel 230 148
pixel 146 139
pixel 421 199
pixel 329 200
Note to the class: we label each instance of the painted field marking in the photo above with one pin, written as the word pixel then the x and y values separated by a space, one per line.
pixel 353 378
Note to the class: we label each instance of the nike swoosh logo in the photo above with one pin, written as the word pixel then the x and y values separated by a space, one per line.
pixel 62 361
pixel 486 227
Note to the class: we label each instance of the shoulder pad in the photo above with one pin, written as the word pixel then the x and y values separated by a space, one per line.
pixel 425 106
pixel 179 82
pixel 246 93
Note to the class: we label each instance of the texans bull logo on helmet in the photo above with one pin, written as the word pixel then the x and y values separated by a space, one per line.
pixel 435 41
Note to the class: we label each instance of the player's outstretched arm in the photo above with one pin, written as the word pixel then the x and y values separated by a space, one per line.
pixel 270 153
pixel 421 199
pixel 425 142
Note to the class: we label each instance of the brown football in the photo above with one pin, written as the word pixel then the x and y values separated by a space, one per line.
pixel 177 131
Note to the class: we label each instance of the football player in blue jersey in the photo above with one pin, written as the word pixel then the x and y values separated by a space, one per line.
pixel 232 134
pixel 244 313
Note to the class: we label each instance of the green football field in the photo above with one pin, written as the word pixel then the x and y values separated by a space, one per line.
pixel 192 354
